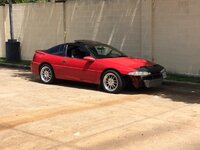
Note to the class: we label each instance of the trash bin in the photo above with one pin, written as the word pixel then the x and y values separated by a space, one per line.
pixel 12 50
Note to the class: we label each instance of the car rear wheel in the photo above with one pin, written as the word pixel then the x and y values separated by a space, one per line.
pixel 46 74
pixel 112 82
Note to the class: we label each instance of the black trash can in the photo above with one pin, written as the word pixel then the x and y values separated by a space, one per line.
pixel 13 50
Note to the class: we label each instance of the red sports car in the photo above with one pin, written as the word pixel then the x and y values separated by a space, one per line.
pixel 97 63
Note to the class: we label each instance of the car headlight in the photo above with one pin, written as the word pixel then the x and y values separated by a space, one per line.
pixel 163 70
pixel 139 73
pixel 164 73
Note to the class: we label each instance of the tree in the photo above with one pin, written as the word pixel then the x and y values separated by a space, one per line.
pixel 3 2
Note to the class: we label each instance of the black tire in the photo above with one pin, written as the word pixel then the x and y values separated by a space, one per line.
pixel 117 80
pixel 46 74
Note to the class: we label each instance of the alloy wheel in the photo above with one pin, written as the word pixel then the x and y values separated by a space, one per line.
pixel 110 82
pixel 46 74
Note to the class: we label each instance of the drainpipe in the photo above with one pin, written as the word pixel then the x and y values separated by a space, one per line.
pixel 12 46
pixel 11 20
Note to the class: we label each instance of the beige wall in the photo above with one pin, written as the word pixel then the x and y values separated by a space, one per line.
pixel 2 33
pixel 113 21
pixel 36 26
pixel 177 35
pixel 166 31
pixel 146 29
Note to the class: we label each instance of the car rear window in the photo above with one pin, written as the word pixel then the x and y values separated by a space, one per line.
pixel 58 50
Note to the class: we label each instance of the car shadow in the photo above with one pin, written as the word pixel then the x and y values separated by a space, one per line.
pixel 27 75
pixel 24 74
pixel 178 92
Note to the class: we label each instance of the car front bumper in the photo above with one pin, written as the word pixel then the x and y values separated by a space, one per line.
pixel 153 82
pixel 155 79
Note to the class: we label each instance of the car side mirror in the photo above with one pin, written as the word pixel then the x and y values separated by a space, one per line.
pixel 89 58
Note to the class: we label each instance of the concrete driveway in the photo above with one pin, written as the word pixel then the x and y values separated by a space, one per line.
pixel 77 116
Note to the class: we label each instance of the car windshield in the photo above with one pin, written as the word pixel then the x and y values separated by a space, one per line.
pixel 106 51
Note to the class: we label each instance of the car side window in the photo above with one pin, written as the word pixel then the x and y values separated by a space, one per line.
pixel 58 50
pixel 78 52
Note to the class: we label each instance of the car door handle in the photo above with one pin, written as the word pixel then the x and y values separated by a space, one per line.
pixel 64 61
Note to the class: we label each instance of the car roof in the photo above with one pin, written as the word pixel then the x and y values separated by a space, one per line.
pixel 78 42
pixel 88 42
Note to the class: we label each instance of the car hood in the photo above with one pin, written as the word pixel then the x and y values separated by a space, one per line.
pixel 129 62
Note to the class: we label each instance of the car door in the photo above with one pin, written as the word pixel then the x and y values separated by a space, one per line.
pixel 76 68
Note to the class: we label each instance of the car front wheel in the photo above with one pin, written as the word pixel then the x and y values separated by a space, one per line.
pixel 46 74
pixel 112 82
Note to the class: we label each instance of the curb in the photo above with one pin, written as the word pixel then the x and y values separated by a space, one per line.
pixel 181 83
pixel 10 65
